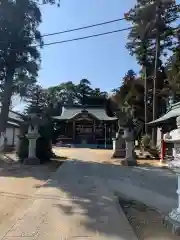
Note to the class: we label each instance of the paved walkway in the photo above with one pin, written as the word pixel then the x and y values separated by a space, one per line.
pixel 79 202
pixel 158 180
pixel 73 205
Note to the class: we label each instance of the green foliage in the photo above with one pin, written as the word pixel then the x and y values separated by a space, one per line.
pixel 68 93
pixel 130 96
pixel 19 58
pixel 146 141
pixel 19 54
pixel 146 26
pixel 173 73
pixel 152 19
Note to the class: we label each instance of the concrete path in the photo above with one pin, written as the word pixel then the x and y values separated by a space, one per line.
pixel 74 204
pixel 158 180
pixel 80 202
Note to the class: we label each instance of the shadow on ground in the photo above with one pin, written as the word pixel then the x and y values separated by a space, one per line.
pixel 86 184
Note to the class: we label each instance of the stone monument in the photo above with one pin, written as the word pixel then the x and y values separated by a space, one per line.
pixel 174 137
pixel 32 136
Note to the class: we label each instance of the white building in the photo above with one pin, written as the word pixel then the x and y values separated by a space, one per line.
pixel 13 127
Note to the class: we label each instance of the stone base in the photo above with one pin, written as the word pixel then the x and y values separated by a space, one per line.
pixel 119 153
pixel 125 162
pixel 131 161
pixel 172 224
pixel 32 161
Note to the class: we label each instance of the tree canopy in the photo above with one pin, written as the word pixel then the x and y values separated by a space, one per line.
pixel 50 101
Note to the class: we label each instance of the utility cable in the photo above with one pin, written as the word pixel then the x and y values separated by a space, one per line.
pixel 76 29
pixel 84 27
pixel 86 37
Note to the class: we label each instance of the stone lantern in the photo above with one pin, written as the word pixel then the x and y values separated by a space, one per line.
pixel 123 144
pixel 174 137
pixel 129 140
pixel 32 137
pixel 119 145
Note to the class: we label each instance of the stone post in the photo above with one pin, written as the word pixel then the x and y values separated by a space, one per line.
pixel 118 147
pixel 130 158
pixel 174 137
pixel 32 136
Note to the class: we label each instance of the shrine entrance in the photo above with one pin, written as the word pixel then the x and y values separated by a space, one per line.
pixel 79 126
pixel 84 131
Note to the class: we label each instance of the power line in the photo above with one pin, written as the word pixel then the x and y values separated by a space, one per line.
pixel 89 36
pixel 84 27
pixel 80 38
pixel 86 37
pixel 76 29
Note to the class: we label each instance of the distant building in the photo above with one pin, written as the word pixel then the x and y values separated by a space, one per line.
pixel 166 123
pixel 85 125
pixel 13 126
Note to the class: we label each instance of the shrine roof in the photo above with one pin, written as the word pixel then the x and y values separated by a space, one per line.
pixel 71 112
pixel 173 112
pixel 14 116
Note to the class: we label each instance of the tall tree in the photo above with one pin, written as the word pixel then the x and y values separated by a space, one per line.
pixel 131 93
pixel 143 18
pixel 19 55
pixel 152 35
pixel 83 90
pixel 173 71
pixel 19 59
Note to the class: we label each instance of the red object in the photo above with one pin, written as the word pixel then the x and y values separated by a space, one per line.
pixel 163 149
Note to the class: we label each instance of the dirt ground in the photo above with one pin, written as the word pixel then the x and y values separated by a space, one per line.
pixel 101 156
pixel 146 222
pixel 18 183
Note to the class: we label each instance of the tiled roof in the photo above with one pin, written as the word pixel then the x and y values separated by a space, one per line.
pixel 173 112
pixel 14 116
pixel 13 124
pixel 68 113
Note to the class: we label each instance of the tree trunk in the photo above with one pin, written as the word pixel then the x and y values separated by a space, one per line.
pixel 6 101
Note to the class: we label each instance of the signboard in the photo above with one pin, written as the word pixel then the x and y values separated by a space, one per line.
pixel 84 129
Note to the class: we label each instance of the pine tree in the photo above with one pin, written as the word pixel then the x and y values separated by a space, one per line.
pixel 147 26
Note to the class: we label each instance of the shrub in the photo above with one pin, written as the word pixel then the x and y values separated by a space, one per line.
pixel 146 141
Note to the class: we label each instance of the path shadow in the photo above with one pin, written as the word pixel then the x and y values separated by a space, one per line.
pixel 87 185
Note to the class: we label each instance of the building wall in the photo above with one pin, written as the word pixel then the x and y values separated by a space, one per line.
pixel 16 139
pixel 11 134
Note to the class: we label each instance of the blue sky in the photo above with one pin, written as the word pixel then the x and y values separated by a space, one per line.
pixel 102 60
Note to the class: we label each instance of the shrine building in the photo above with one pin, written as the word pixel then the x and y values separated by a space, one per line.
pixel 85 125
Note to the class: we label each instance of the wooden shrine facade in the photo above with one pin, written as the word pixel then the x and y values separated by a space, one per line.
pixel 88 125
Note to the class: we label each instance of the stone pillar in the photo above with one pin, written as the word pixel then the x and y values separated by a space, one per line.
pixel 174 165
pixel 118 147
pixel 17 147
pixel 130 158
pixel 32 136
